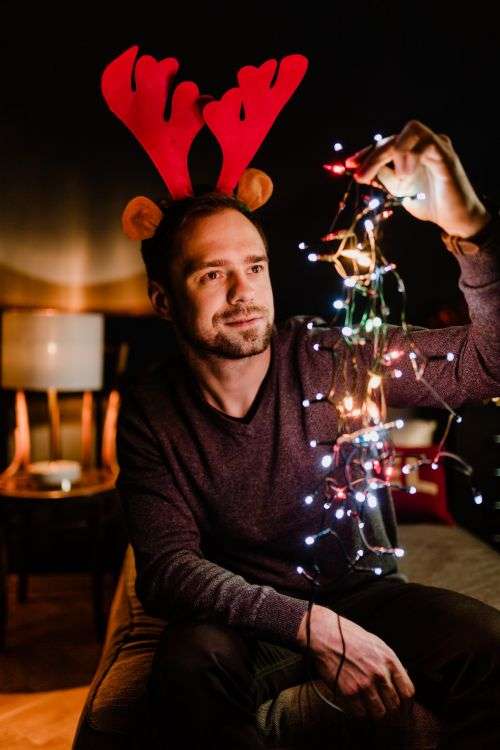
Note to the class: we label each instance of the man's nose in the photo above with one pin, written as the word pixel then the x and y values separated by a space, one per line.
pixel 241 289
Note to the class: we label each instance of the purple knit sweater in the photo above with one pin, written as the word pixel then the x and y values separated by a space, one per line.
pixel 214 505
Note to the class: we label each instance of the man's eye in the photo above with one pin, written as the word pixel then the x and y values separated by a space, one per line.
pixel 210 276
pixel 257 268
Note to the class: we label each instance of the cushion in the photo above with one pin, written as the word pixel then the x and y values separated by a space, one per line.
pixel 429 503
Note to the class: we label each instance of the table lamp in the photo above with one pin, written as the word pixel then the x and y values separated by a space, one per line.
pixel 46 350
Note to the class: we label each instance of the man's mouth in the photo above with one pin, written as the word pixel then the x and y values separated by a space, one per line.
pixel 242 322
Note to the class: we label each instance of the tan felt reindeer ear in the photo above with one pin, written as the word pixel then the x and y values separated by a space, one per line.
pixel 254 188
pixel 141 218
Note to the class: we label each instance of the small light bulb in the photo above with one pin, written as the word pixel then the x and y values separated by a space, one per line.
pixel 309 540
pixel 308 499
pixel 375 381
pixel 450 356
pixel 478 499
pixel 337 147
pixel 350 281
pixel 360 553
pixel 360 497
pixel 310 325
pixel 434 465
pixel 65 485
pixel 374 203
pixel 339 513
pixel 377 137
pixel 347 331
pixel 300 570
pixel 412 490
pixel 312 257
pixel 319 396
pixel 372 501
pixel 412 355
pixel 313 443
pixel 368 466
pixel 306 403
pixel 377 322
pixel 302 246
pixel 458 420
pixel 377 571
pixel 338 304
pixel 326 461
pixel 362 525
pixel 369 225
pixel 399 423
pixel 397 373
pixel 327 506
pixel 380 444
pixel 316 347
pixel 369 325
pixel 406 469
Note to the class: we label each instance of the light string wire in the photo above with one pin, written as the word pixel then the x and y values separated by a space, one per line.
pixel 369 465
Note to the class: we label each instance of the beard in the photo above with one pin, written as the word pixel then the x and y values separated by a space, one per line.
pixel 225 343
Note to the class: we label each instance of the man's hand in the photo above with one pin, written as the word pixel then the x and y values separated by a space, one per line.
pixel 424 162
pixel 372 681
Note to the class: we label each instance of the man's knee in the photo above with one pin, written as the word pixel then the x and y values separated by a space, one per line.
pixel 187 651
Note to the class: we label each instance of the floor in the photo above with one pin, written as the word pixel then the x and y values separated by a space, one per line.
pixel 51 655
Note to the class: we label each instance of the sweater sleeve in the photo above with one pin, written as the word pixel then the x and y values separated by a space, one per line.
pixel 473 371
pixel 174 580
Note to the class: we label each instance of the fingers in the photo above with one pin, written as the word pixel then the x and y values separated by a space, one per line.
pixel 403 684
pixel 415 142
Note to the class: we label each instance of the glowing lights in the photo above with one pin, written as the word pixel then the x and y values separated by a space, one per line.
pixel 312 257
pixel 374 203
pixel 399 552
pixel 397 373
pixel 450 356
pixel 374 381
pixel 309 540
pixel 377 571
pixel 377 322
pixel 316 347
pixel 320 396
pixel 360 497
pixel 368 465
pixel 369 225
pixel 412 355
pixel 371 500
pixel 313 443
pixel 377 137
pixel 399 424
pixel 350 281
pixel 302 246
pixel 337 147
pixel 338 304
pixel 338 168
pixel 412 490
pixel 347 331
pixel 348 403
pixel 326 461
pixel 339 513
pixel 310 325
pixel 406 469
pixel 434 465
pixel 478 499
pixel 308 499
pixel 306 403
pixel 458 419
pixel 300 570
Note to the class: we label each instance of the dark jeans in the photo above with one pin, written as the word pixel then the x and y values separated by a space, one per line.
pixel 208 680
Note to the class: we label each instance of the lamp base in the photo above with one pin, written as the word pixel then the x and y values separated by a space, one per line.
pixel 55 474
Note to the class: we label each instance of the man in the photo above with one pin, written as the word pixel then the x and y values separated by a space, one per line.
pixel 214 458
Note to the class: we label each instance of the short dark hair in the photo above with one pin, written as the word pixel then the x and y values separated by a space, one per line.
pixel 159 251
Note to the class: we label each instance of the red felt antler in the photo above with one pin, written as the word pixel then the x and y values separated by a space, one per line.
pixel 260 103
pixel 142 110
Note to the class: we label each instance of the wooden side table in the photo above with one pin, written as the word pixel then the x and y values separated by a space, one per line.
pixel 95 493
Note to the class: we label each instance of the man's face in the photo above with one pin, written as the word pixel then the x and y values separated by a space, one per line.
pixel 221 300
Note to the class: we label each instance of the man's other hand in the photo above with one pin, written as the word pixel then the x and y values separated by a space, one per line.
pixel 417 160
pixel 372 682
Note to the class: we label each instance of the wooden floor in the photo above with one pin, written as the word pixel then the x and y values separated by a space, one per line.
pixel 51 656
pixel 45 721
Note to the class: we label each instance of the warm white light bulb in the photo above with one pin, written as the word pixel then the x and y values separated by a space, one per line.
pixel 399 423
pixel 302 246
pixel 309 540
pixel 377 137
pixel 313 443
pixel 326 461
pixel 339 513
pixel 450 356
pixel 338 304
pixel 308 499
pixel 377 571
pixel 412 490
pixel 337 147
pixel 312 257
pixel 347 331
pixel 399 552
pixel 306 402
pixel 478 499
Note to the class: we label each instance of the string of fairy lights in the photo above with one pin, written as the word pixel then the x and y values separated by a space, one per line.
pixel 363 458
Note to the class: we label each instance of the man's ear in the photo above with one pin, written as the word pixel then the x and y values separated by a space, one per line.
pixel 160 300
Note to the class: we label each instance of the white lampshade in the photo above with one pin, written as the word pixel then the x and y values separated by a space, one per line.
pixel 47 349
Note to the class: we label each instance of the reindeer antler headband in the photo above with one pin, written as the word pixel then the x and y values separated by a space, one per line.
pixel 240 121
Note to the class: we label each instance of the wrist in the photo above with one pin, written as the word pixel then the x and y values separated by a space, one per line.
pixel 475 222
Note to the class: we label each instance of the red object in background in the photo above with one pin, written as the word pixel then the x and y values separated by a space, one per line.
pixel 429 503
pixel 335 168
